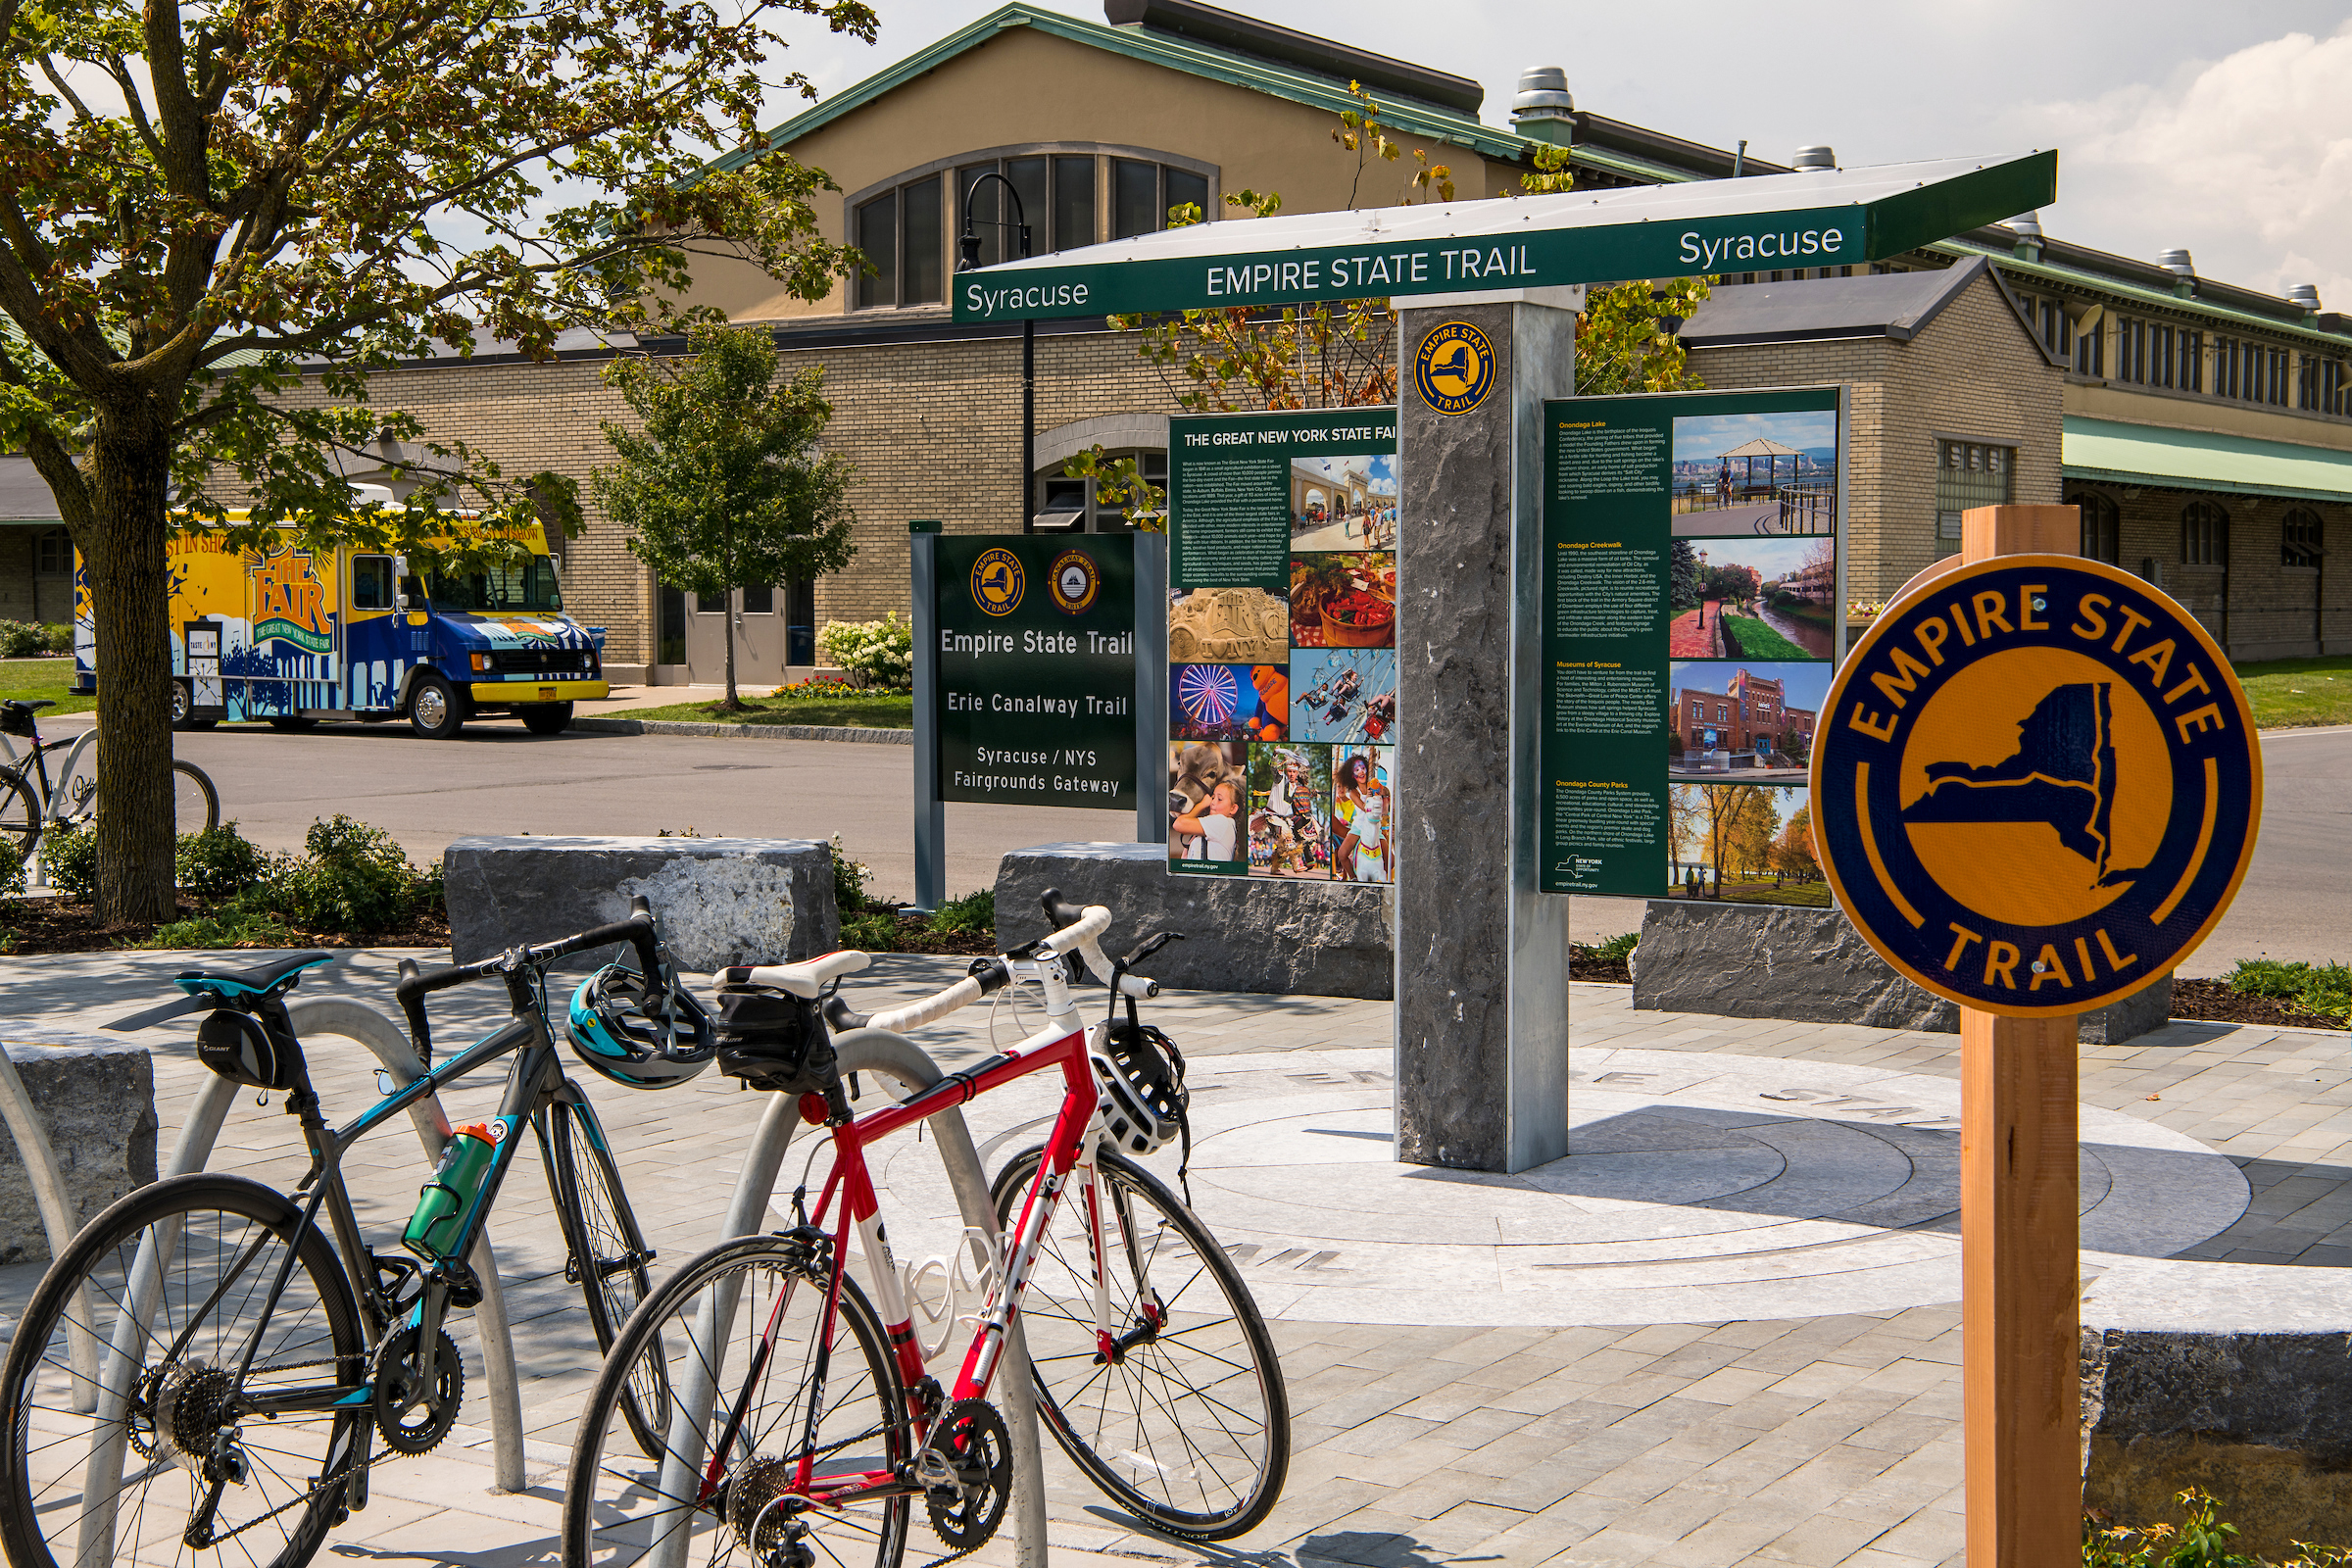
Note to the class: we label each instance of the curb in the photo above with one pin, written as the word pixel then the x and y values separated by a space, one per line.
pixel 771 732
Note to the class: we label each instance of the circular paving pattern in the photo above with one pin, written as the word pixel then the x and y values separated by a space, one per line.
pixel 1700 1189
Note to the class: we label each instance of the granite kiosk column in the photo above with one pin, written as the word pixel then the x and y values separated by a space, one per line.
pixel 1481 958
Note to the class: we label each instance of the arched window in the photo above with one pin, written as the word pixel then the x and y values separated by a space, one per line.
pixel 2102 528
pixel 1069 194
pixel 2299 539
pixel 2204 535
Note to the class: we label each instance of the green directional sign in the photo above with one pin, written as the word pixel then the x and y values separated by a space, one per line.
pixel 1824 219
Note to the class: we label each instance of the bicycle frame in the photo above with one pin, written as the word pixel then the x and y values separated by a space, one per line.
pixel 36 757
pixel 1070 1150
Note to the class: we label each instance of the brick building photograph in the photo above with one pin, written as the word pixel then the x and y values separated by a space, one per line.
pixel 1738 724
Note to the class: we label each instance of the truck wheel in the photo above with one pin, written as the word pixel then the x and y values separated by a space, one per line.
pixel 545 719
pixel 183 704
pixel 435 710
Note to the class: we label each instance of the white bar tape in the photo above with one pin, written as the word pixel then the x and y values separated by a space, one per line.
pixel 930 1009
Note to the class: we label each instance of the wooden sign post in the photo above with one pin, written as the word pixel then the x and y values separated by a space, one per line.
pixel 2035 789
pixel 2020 1227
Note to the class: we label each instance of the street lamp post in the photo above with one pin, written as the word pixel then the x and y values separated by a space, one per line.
pixel 967 246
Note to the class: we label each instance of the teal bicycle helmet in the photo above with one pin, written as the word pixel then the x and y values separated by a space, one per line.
pixel 611 1032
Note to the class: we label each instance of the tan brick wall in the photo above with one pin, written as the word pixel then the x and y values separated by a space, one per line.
pixel 2268 605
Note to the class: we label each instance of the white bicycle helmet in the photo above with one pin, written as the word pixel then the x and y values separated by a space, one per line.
pixel 1144 1101
pixel 611 1032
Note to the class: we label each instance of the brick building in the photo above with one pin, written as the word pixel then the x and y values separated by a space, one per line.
pixel 2205 429
pixel 1749 715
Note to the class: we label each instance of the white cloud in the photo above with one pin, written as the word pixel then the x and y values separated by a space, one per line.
pixel 2245 160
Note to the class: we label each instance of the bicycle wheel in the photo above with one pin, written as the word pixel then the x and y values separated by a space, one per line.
pixel 1187 1424
pixel 736 1330
pixel 173 1426
pixel 20 817
pixel 608 1262
pixel 195 804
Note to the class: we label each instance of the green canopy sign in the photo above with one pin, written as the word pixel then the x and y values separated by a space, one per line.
pixel 1826 217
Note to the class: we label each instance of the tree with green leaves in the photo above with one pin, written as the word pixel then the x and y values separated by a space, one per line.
pixel 724 486
pixel 211 203
pixel 1682 576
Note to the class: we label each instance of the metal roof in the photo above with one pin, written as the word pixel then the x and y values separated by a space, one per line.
pixel 2202 459
pixel 25 496
pixel 1817 218
pixel 1894 305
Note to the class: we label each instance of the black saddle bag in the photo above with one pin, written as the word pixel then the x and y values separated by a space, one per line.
pixel 242 1048
pixel 775 1041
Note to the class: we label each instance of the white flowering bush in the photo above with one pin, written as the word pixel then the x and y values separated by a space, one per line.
pixel 878 653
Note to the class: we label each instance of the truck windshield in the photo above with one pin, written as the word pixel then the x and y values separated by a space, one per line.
pixel 500 589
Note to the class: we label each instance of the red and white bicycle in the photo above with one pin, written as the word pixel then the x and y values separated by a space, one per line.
pixel 806 1424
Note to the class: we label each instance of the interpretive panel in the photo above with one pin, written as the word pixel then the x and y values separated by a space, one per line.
pixel 1692 617
pixel 1036 669
pixel 1282 643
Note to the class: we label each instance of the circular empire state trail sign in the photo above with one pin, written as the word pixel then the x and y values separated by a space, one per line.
pixel 2037 785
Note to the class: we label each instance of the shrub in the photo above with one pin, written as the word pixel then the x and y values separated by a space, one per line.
pixel 849 881
pixel 218 864
pixel 875 932
pixel 974 912
pixel 813 690
pixel 22 639
pixel 2324 989
pixel 231 927
pixel 879 653
pixel 351 880
pixel 58 638
pixel 70 858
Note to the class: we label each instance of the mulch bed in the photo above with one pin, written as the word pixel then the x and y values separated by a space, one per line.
pixel 53 926
pixel 2212 1001
pixel 1604 972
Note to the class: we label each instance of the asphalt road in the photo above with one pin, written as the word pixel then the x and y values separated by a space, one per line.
pixel 2296 902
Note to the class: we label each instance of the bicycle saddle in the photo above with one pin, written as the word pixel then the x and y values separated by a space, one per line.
pixel 35 707
pixel 279 975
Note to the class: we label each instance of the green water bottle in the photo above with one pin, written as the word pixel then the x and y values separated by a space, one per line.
pixel 442 1202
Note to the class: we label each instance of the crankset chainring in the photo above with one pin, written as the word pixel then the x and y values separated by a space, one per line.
pixel 973 1445
pixel 415 1413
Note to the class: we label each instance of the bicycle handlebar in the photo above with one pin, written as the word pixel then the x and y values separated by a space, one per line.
pixel 637 930
pixel 1077 931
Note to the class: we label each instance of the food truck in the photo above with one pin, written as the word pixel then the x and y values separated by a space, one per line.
pixel 300 634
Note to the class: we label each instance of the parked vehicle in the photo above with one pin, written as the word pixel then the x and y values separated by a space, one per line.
pixel 299 635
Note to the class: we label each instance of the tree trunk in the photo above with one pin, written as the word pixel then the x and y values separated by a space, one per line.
pixel 732 703
pixel 130 597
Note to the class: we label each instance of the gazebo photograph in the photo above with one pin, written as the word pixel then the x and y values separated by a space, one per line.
pixel 1755 474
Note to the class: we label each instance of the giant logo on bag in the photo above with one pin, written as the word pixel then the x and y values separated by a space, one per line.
pixel 2037 785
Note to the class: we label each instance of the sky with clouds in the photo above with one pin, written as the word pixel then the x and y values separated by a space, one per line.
pixel 2226 128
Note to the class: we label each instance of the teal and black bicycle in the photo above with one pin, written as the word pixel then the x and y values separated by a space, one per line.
pixel 252 1369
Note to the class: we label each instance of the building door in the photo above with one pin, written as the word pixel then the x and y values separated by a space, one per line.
pixel 669 637
pixel 762 635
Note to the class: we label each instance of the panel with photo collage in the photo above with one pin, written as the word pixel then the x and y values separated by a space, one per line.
pixel 1282 644
pixel 1692 621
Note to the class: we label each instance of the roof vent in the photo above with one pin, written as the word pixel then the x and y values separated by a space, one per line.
pixel 2306 295
pixel 1542 111
pixel 2177 263
pixel 1543 94
pixel 1814 158
pixel 2027 227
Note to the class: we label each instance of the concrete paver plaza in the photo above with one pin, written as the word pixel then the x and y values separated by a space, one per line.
pixel 1724 1330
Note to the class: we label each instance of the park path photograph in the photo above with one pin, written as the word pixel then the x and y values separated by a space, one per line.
pixel 1755 474
pixel 1754 598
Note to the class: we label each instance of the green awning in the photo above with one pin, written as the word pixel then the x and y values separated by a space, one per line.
pixel 2199 460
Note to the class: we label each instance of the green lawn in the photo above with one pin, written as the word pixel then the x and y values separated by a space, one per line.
pixel 2291 692
pixel 882 710
pixel 1758 641
pixel 30 679
pixel 1813 893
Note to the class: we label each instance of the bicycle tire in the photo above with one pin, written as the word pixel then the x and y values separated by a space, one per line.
pixel 611 1516
pixel 20 815
pixel 1170 1439
pixel 609 1254
pixel 188 776
pixel 316 1322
